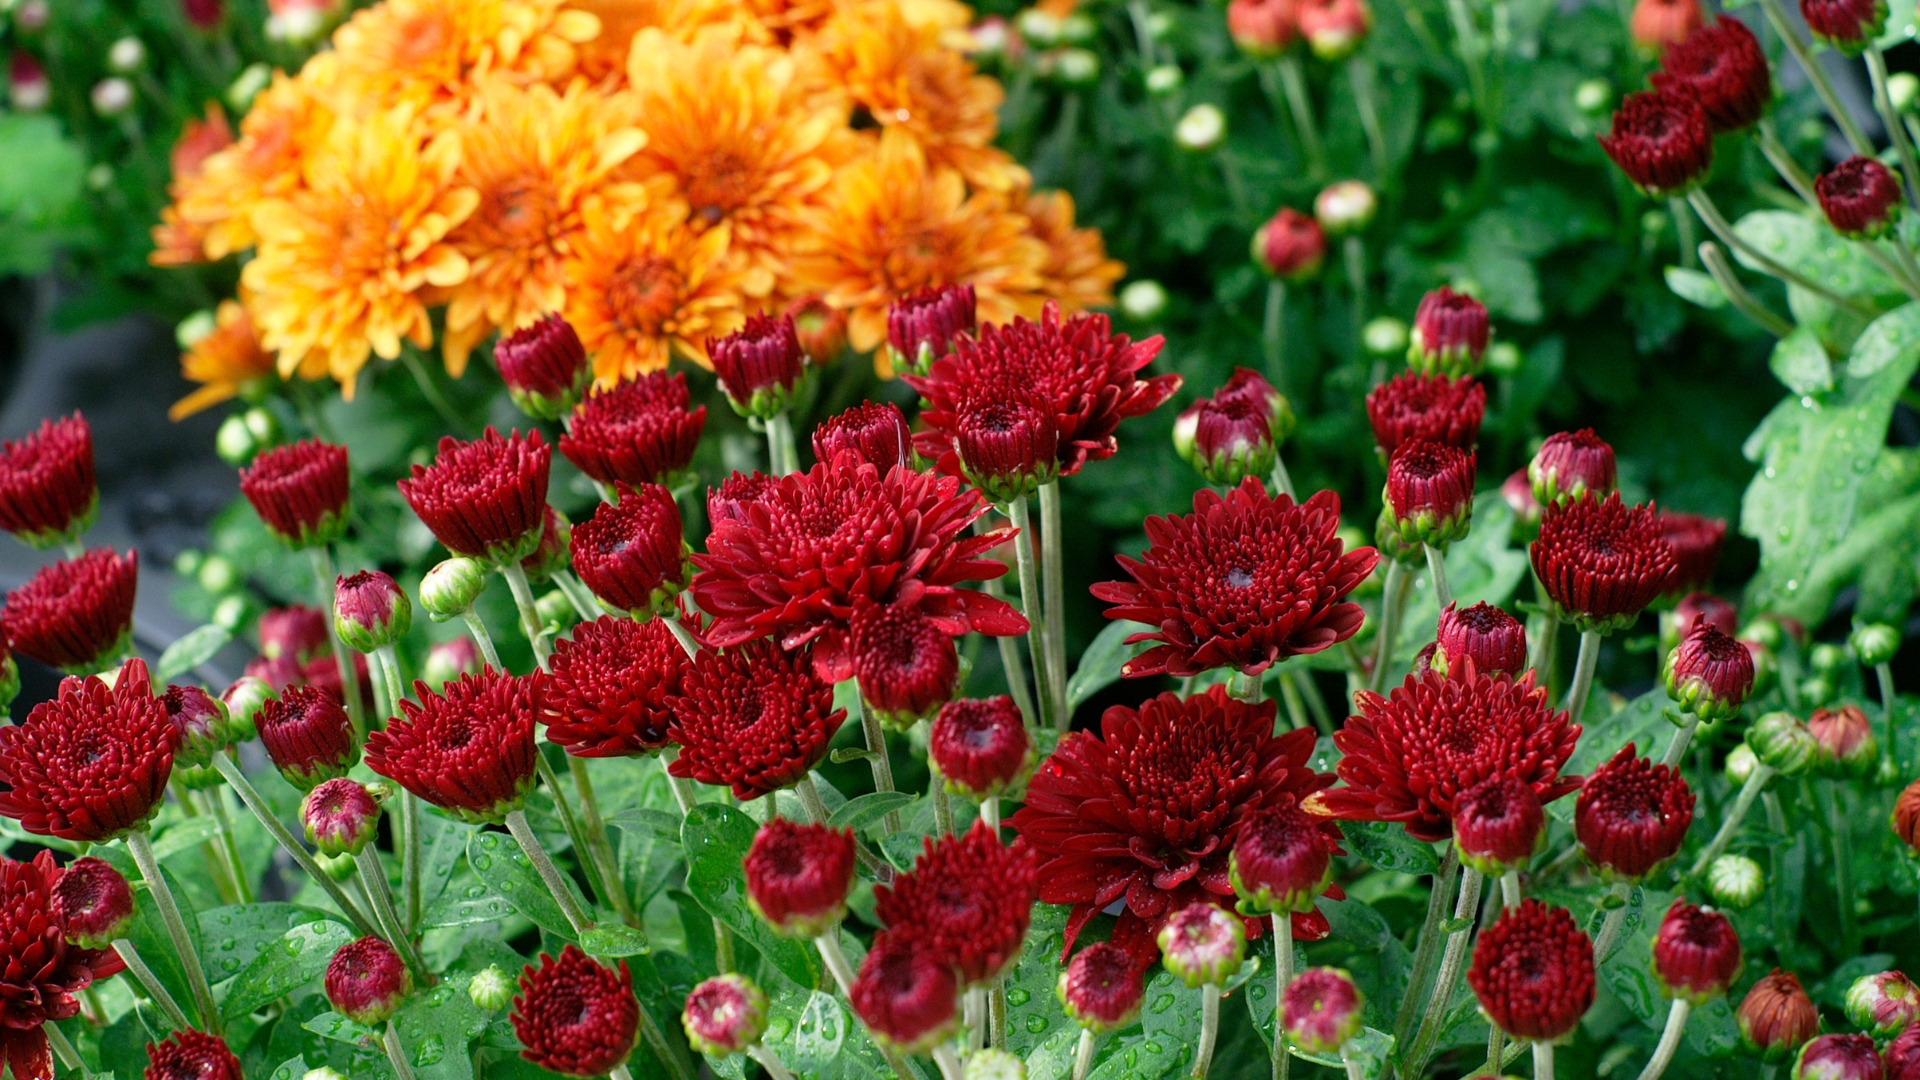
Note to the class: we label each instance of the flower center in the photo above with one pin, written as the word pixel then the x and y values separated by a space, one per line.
pixel 644 295
pixel 1239 578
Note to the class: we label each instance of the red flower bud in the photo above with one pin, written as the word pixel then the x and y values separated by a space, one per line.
pixel 75 615
pixel 631 553
pixel 1662 141
pixel 821 328
pixel 968 900
pixel 28 88
pixel 192 1055
pixel 1776 1017
pixel 1723 68
pixel 48 495
pixel 1203 943
pixel 1320 1010
pixel 1718 613
pixel 1696 954
pixel 1007 448
pixel 307 734
pixel 1632 816
pixel 575 1016
pixel 1571 465
pixel 1495 641
pixel 922 326
pixel 760 366
pixel 1282 861
pixel 877 434
pixel 1906 816
pixel 93 902
pixel 1429 493
pixel 905 995
pixel 1883 1004
pixel 1659 24
pixel 469 749
pixel 1102 987
pixel 203 14
pixel 612 681
pixel 1236 433
pixel 1334 28
pixel 799 876
pixel 1847 25
pixel 340 816
pixel 981 747
pixel 484 499
pixel 370 610
pixel 1498 824
pixel 1533 972
pixel 366 981
pixel 545 367
pixel 300 492
pixel 636 432
pixel 1602 562
pixel 1860 197
pixel 1290 246
pixel 1450 334
pixel 725 1015
pixel 1710 674
pixel 201 720
pixel 1846 740
pixel 1415 406
pixel 755 718
pixel 92 764
pixel 1839 1057
pixel 1262 27
pixel 1903 1055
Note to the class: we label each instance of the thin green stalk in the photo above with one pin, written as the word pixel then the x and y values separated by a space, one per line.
pixel 1031 606
pixel 1427 946
pixel 1466 40
pixel 682 635
pixel 1669 1040
pixel 1354 257
pixel 1842 836
pixel 1783 26
pixel 73 547
pixel 570 824
pixel 1510 889
pixel 1730 824
pixel 770 1061
pixel 383 706
pixel 831 954
pixel 1748 304
pixel 1282 978
pixel 229 847
pixel 1682 738
pixel 1293 82
pixel 373 878
pixel 549 875
pixel 782 455
pixel 142 850
pixel 396 1054
pixel 64 1050
pixel 1296 708
pixel 942 802
pixel 997 1013
pixel 530 624
pixel 599 845
pixel 1542 1061
pixel 1316 702
pixel 1543 645
pixel 1360 77
pixel 1083 1055
pixel 1615 921
pixel 1053 579
pixel 876 737
pixel 948 1060
pixel 324 579
pixel 1890 118
pixel 407 833
pixel 1703 205
pixel 1273 338
pixel 578 595
pixel 1452 961
pixel 1209 1030
pixel 1437 573
pixel 1883 673
pixel 1393 597
pixel 1282 479
pixel 1583 674
pixel 252 801
pixel 1011 665
pixel 424 380
pixel 170 1010
pixel 1783 163
pixel 1683 228
pixel 483 639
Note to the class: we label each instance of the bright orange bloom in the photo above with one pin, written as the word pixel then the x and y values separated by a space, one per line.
pixel 620 20
pixel 890 224
pixel 1077 272
pixel 223 362
pixel 285 122
pixel 650 284
pixel 176 241
pixel 342 260
pixel 727 121
pixel 401 50
pixel 533 157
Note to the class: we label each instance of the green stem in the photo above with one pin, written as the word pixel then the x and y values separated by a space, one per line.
pixel 1510 889
pixel 1583 674
pixel 1842 838
pixel 1783 26
pixel 1437 573
pixel 836 960
pixel 252 801
pixel 229 847
pixel 407 832
pixel 424 380
pixel 599 845
pixel 1273 338
pixel 170 1010
pixel 1451 963
pixel 942 802
pixel 1316 702
pixel 1883 673
pixel 1296 708
pixel 782 455
pixel 1293 81
pixel 483 639
pixel 142 851
pixel 549 875
pixel 64 1050
pixel 1783 163
pixel 1703 205
pixel 1393 597
pixel 373 877
pixel 1683 228
pixel 1282 479
pixel 383 706
pixel 396 1054
pixel 1282 978
pixel 73 547
pixel 1542 1061
pixel 949 1062
pixel 997 1013
pixel 1669 1040
pixel 876 737
pixel 349 676
pixel 1427 945
pixel 529 614
pixel 1882 101
pixel 577 593
pixel 1209 1030
pixel 1682 738
pixel 770 1061
pixel 1466 40
pixel 1083 1055
pixel 1722 273
pixel 1360 76
pixel 1777 855
pixel 1031 606
pixel 1730 825
pixel 1011 665
pixel 571 825
pixel 1615 921
pixel 1053 579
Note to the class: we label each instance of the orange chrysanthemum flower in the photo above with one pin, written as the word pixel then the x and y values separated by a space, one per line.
pixel 872 56
pixel 620 20
pixel 343 259
pixel 176 241
pixel 648 284
pixel 284 123
pixel 401 50
pixel 1077 272
pixel 890 224
pixel 533 157
pixel 222 362
pixel 729 123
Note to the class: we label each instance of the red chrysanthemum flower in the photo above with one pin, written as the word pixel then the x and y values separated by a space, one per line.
pixel 75 615
pixel 1722 67
pixel 632 553
pixel 1498 823
pixel 340 816
pixel 192 1055
pixel 1662 141
pixel 876 433
pixel 1321 1010
pixel 575 1016
pixel 1847 25
pixel 93 903
pixel 1242 582
pixel 1696 953
pixel 1410 755
pixel 1777 1017
pixel 1495 641
pixel 980 747
pixel 637 432
pixel 907 996
pixel 1283 859
pixel 1086 372
pixel 308 736
pixel 92 763
pixel 1415 406
pixel 1533 972
pixel 544 366
pixel 300 492
pixel 1602 563
pixel 968 899
pixel 798 876
pixel 1839 1057
pixel 1570 465
pixel 1903 1055
pixel 1149 810
pixel 760 366
pixel 903 657
pixel 468 750
pixel 1710 674
pixel 923 325
pixel 1449 335
pixel 787 557
pixel 1695 543
pixel 612 680
pixel 1632 816
pixel 41 974
pixel 1906 816
pixel 1007 447
pixel 484 499
pixel 1429 492
pixel 366 981
pixel 47 490
pixel 1859 196
pixel 1102 987
pixel 754 718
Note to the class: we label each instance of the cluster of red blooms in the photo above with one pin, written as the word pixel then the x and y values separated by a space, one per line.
pixel 1715 81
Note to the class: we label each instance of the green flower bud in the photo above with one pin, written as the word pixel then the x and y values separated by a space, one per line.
pixel 994 1065
pixel 1143 301
pixel 9 681
pixel 243 700
pixel 1741 761
pixel 1902 88
pixel 491 989
pixel 1735 881
pixel 337 867
pixel 1165 79
pixel 230 613
pixel 1201 128
pixel 1784 743
pixel 218 574
pixel 1385 336
pixel 1883 1004
pixel 322 1073
pixel 556 610
pixel 1827 658
pixel 234 443
pixel 1816 691
pixel 1874 643
pixel 450 588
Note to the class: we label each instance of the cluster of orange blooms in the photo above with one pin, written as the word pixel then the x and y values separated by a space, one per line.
pixel 655 170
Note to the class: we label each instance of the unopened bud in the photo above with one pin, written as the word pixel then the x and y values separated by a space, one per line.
pixel 450 588
pixel 1202 128
pixel 126 55
pixel 1143 301
pixel 1165 79
pixel 1735 881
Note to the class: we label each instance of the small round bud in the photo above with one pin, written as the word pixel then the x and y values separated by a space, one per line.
pixel 450 588
pixel 1429 492
pixel 1495 641
pixel 201 720
pixel 1236 432
pixel 341 816
pixel 1817 691
pixel 1282 860
pixel 1201 128
pixel 1498 824
pixel 218 574
pixel 1165 79
pixel 555 609
pixel 799 876
pixel 1571 465
pixel 337 867
pixel 263 426
pixel 1902 89
pixel 370 610
pixel 230 614
pixel 323 1073
pixel 1709 674
pixel 1874 643
pixel 1860 197
pixel 761 367
pixel 243 700
pixel 1101 988
pixel 994 1065
pixel 448 660
pixel 1884 1004
pixel 1777 1017
pixel 1906 817
pixel 126 55
pixel 1846 741
pixel 1696 954
pixel 1826 658
pixel 545 367
pixel 1766 631
pixel 366 981
pixel 981 748
pixel 244 88
pixel 1450 334
pixel 1291 246
pixel 1783 743
pixel 1593 96
pixel 1741 761
pixel 1144 300
pixel 1384 336
pixel 491 989
pixel 1202 943
pixel 234 443
pixel 1321 1010
pixel 725 1015
pixel 1345 207
pixel 1040 28
pixel 93 902
pixel 112 96
pixel 1504 358
pixel 1076 67
pixel 1735 881
pixel 1839 1057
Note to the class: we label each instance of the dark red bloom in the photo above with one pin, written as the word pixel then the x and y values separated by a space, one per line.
pixel 1242 582
pixel 1847 25
pixel 1903 1055
pixel 821 327
pixel 1860 197
pixel 1411 755
pixel 755 718
pixel 923 325
pixel 1102 987
pixel 1006 447
pixel 1262 28
pixel 903 657
pixel 788 557
pixel 41 973
pixel 612 681
pixel 1662 141
pixel 1415 406
pixel 75 615
pixel 1632 816
pixel 203 14
pixel 1498 823
pixel 907 997
pixel 1777 1017
pixel 1906 817
pixel 1083 371
pixel 1429 494
pixel 575 1016
pixel 1721 66
pixel 1839 1057
pixel 968 900
pixel 1236 433
pixel 760 366
pixel 468 750
pixel 192 1055
pixel 1533 971
pixel 484 499
pixel 93 903
pixel 1321 1010
pixel 637 432
pixel 1495 641
pixel 980 747
pixel 300 492
pixel 340 816
pixel 631 553
pixel 1571 465
pixel 370 609
pixel 47 490
pixel 91 764
pixel 1283 859
pixel 1720 614
pixel 366 981
pixel 1847 746
pixel 1696 953
pixel 308 735
pixel 1710 674
pixel 1602 562
pixel 544 366
pixel 297 631
pixel 1695 542
pixel 1450 334
pixel 1150 809
pixel 877 433
pixel 799 876
pixel 1290 246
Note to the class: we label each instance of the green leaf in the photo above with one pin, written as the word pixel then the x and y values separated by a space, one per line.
pixel 291 1069
pixel 190 650
pixel 614 940
pixel 1037 1027
pixel 1801 364
pixel 716 838
pixel 866 809
pixel 442 842
pixel 436 1028
pixel 1796 242
pixel 1371 1050
pixel 449 910
pixel 331 1025
pixel 1163 1044
pixel 1696 287
pixel 497 861
pixel 183 834
pixel 648 822
pixel 42 192
pixel 1101 662
pixel 233 936
pixel 1386 845
pixel 298 957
